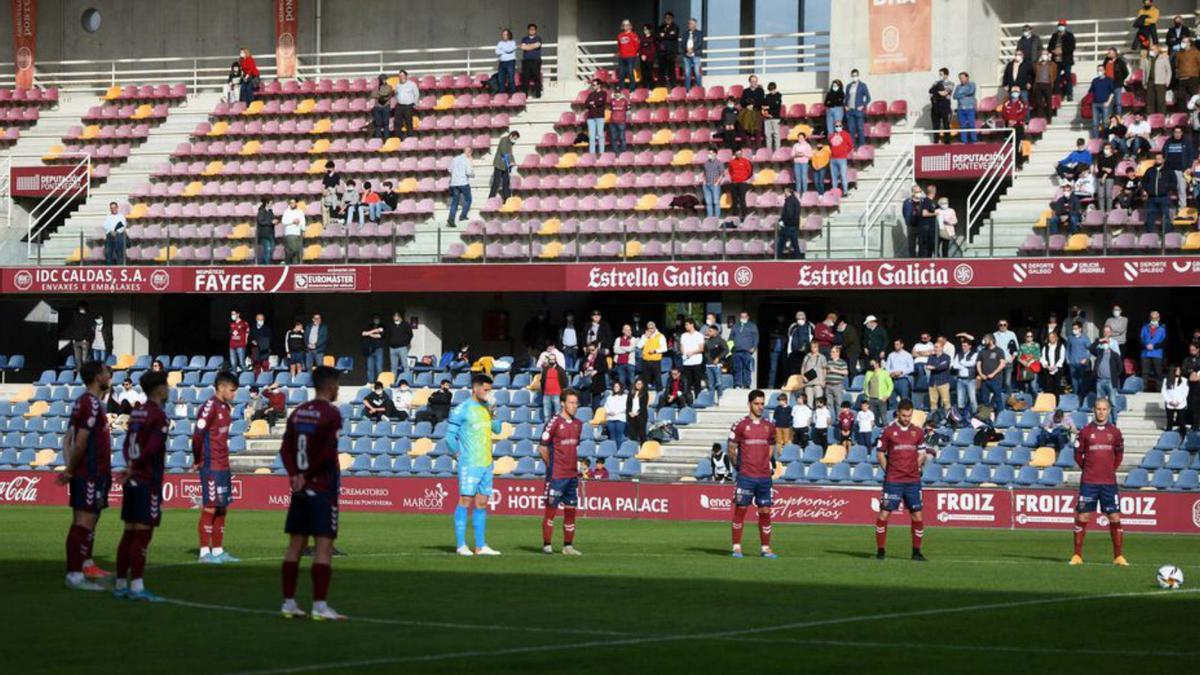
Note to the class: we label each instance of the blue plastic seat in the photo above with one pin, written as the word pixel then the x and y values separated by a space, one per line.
pixel 1029 420
pixel 865 473
pixel 812 453
pixel 503 449
pixel 443 465
pixel 1188 479
pixel 628 449
pixel 1066 458
pixel 1051 477
pixel 606 449
pixel 1153 459
pixel 422 465
pixel 792 473
pixel 1178 460
pixel 816 473
pixel 1012 437
pixel 381 464
pixel 840 472
pixel 1028 475
pixel 789 453
pixel 1006 419
pixel 1169 440
pixel 1163 479
pixel 964 437
pixel 524 467
pixel 948 455
pixel 971 455
pixel 685 417
pixel 980 473
pixel 858 454
pixel 631 468
pixel 932 473
pixel 1137 479
pixel 362 446
pixel 1020 456
pixel 956 474
pixel 995 455
pixel 403 465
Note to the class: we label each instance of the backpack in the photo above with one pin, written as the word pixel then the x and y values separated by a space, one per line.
pixel 493 84
pixel 662 432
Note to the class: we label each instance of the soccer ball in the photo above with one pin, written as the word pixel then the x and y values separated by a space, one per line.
pixel 1170 577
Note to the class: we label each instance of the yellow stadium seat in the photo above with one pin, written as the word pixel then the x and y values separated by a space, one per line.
pixel 76 255
pixel 1046 402
pixel 407 185
pixel 1192 242
pixel 918 418
pixel 174 378
pixel 113 92
pixel 239 254
pixel 834 454
pixel 512 205
pixel 1043 219
pixel 416 122
pixel 503 466
pixel 317 166
pixel 1143 166
pixel 474 251
pixel 143 111
pixel 1076 243
pixel 794 383
pixel 320 147
pixel 393 81
pixel 551 250
pixel 1043 457
pixel 662 137
pixel 421 397
pixel 329 360
pixel 1186 217
pixel 600 417
pixel 794 132
pixel 90 131
pixel 650 451
pixel 255 108
pixel 765 177
pixel 683 158
pixel 241 231
pixel 262 471
pixel 550 227
pixel 567 160
pixel 322 126
pixel 506 432
pixel 53 153
pixel 312 252
pixel 1026 148
pixel 421 446
pixel 250 148
pixel 390 145
pixel 219 128
pixel 193 188
pixel 387 378
pixel 167 254
pixel 726 200
pixel 345 461
pixel 632 249
pixel 606 182
pixel 38 408
pixel 313 230
pixel 777 472
pixel 306 106
pixel 43 457
pixel 258 429
pixel 138 211
pixel 657 95
pixel 23 394
pixel 535 383
pixel 688 479
pixel 125 362
pixel 646 203
pixel 444 102
pixel 214 168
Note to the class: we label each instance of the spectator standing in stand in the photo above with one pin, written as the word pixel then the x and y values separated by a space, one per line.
pixel 1062 45
pixel 915 211
pixel 372 347
pixel 628 47
pixel 653 345
pixel 1175 395
pixel 1014 113
pixel 1146 23
pixel 964 97
pixel 1030 43
pixel 787 243
pixel 293 233
pixel 713 172
pixel 1187 71
pixel 461 173
pixel 114 235
pixel 407 96
pixel 1018 76
pixel 728 122
pixel 750 117
pixel 594 106
pixel 939 105
pixel 1156 183
pixel 691 352
pixel 624 359
pixel 1158 78
pixel 264 231
pixel 381 111
pixel 79 331
pixel 821 157
pixel 618 120
pixel 331 180
pixel 840 147
pixel 506 55
pixel 1179 153
pixel 647 54
pixel 239 335
pixel 715 351
pixel 502 166
pixel 250 76
pixel 1106 177
pixel 1153 336
pixel 1176 34
pixel 835 105
pixel 738 173
pixel 531 62
pixel 858 97
pixel 294 348
pixel 1116 70
pixel 668 50
pixel 693 50
pixel 260 345
pixel 1045 75
pixel 801 156
pixel 744 336
pixel 772 116
pixel 399 340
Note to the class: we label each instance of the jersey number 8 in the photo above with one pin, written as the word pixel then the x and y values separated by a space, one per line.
pixel 302 452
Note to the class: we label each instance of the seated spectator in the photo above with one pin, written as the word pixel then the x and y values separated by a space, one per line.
pixel 1069 168
pixel 462 358
pixel 864 424
pixel 1130 196
pixel 600 472
pixel 233 84
pixel 782 417
pixel 250 76
pixel 262 404
pixel 388 200
pixel 719 462
pixel 676 393
pixel 1067 212
pixel 351 203
pixel 801 420
pixel 402 397
pixel 370 198
pixel 438 407
pixel 1138 137
pixel 376 405
pixel 1056 432
pixel 1115 132
pixel 126 399
pixel 1085 187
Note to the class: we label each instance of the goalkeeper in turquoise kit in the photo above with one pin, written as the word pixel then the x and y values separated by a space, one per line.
pixel 472 424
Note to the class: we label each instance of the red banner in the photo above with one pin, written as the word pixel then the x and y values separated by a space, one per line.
pixel 24 30
pixel 43 181
pixel 287 21
pixel 833 275
pixel 901 32
pixel 957 161
pixel 1167 512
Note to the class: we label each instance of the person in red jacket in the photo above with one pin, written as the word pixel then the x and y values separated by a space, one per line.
pixel 840 145
pixel 738 173
pixel 628 45
pixel 250 77
pixel 1014 112
pixel 239 336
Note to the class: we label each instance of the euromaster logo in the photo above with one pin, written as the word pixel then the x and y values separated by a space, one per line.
pixel 326 280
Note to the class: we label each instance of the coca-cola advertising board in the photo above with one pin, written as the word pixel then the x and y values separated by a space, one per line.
pixel 1174 512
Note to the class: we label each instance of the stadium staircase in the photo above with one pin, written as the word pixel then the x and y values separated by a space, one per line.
pixel 123 178
pixel 695 442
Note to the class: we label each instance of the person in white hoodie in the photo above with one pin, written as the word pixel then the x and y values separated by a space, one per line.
pixel 1175 395
pixel 1054 354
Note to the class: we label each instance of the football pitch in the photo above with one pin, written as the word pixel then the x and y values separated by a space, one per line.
pixel 661 597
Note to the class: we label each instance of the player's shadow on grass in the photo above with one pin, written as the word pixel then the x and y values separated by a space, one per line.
pixel 723 552
pixel 1039 558
pixel 862 555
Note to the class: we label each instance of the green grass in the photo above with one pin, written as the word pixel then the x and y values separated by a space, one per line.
pixel 647 597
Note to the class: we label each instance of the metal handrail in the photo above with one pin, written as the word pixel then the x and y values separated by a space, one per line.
pixel 1090 44
pixel 54 204
pixel 1001 166
pixel 880 199
pixel 802 56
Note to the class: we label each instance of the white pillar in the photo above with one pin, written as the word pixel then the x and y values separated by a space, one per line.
pixel 568 41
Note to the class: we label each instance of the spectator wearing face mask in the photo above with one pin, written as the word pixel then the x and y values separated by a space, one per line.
pixel 239 335
pixel 1119 325
pixel 1157 183
pixel 1178 154
pixel 1116 70
pixel 1062 45
pixel 1018 76
pixel 729 123
pixel 1106 176
pixel 964 98
pixel 1158 77
pixel 858 97
pixel 1045 74
pixel 713 170
pixel 801 156
pixel 916 210
pixel 1103 93
pixel 772 116
pixel 947 226
pixel 372 347
pixel 260 345
pixel 1014 112
pixel 1187 70
pixel 1067 212
pixel 840 147
pixel 1030 43
pixel 939 105
pixel 820 165
pixel 1153 336
pixel 1079 360
pixel 835 105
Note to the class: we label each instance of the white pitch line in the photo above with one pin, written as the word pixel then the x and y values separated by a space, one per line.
pixel 968 648
pixel 534 649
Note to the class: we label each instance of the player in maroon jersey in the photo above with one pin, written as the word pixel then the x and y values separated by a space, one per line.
pixel 309 453
pixel 559 448
pixel 210 449
pixel 902 454
pixel 1099 449
pixel 141 505
pixel 752 449
pixel 87 450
